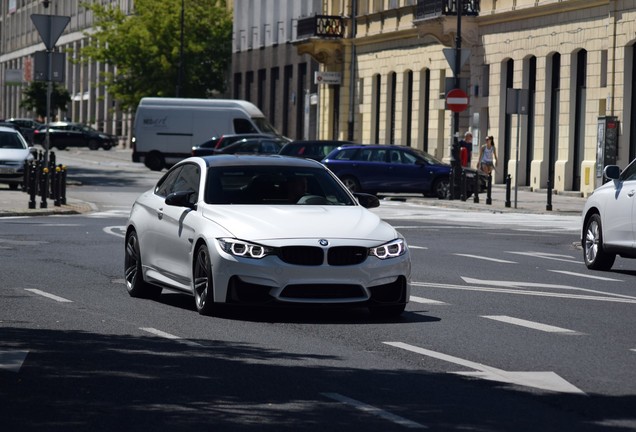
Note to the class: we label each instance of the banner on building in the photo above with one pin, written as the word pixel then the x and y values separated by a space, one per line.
pixel 13 77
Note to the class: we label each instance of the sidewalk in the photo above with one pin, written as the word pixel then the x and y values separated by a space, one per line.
pixel 16 203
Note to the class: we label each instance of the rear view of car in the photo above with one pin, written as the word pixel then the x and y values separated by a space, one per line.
pixel 316 150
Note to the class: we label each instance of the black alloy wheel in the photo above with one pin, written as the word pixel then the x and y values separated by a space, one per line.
pixel 203 284
pixel 135 283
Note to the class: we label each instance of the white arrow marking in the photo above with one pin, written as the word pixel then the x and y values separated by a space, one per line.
pixel 486 258
pixel 12 360
pixel 115 230
pixel 541 380
pixel 426 301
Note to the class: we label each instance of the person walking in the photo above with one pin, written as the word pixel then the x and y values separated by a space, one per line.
pixel 488 155
pixel 466 149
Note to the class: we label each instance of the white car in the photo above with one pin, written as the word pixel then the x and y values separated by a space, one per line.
pixel 254 229
pixel 14 152
pixel 609 219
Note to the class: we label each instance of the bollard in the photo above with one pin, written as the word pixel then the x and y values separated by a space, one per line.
pixel 548 206
pixel 476 188
pixel 63 184
pixel 56 186
pixel 489 190
pixel 508 182
pixel 32 187
pixel 44 186
pixel 463 193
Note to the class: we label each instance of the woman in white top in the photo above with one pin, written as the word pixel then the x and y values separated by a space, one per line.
pixel 488 156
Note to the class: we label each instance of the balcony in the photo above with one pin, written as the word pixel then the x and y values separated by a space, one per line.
pixel 427 9
pixel 323 26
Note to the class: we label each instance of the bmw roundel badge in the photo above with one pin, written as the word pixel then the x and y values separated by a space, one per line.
pixel 323 242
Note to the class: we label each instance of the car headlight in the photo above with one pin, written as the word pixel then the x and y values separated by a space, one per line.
pixel 244 249
pixel 392 249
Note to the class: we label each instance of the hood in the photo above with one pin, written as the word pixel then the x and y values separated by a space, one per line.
pixel 14 155
pixel 261 223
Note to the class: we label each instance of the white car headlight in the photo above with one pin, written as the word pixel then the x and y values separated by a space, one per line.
pixel 392 249
pixel 244 249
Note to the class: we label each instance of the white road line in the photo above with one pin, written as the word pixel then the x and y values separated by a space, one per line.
pixel 633 349
pixel 554 257
pixel 113 230
pixel 586 276
pixel 417 247
pixel 426 301
pixel 369 409
pixel 528 293
pixel 163 334
pixel 486 258
pixel 51 296
pixel 531 324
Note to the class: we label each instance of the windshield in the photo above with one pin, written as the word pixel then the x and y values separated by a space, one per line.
pixel 269 185
pixel 9 140
pixel 264 126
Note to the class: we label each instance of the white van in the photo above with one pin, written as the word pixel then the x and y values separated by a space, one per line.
pixel 166 129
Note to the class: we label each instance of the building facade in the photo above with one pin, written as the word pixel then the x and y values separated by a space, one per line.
pixel 19 40
pixel 572 60
pixel 268 70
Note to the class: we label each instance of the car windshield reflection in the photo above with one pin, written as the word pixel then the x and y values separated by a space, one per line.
pixel 262 185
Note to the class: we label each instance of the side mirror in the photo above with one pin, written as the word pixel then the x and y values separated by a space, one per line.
pixel 367 200
pixel 612 172
pixel 181 199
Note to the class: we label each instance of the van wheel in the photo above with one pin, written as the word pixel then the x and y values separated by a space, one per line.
pixel 154 161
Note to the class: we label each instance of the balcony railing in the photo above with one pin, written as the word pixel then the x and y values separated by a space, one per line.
pixel 321 26
pixel 436 8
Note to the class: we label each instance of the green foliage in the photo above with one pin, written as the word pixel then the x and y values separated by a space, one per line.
pixel 145 48
pixel 35 98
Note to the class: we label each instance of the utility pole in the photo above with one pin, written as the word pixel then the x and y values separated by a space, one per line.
pixel 352 70
pixel 455 159
pixel 180 72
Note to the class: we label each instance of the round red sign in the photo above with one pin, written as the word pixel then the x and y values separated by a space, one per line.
pixel 457 100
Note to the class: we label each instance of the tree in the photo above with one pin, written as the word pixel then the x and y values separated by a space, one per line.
pixel 35 98
pixel 145 47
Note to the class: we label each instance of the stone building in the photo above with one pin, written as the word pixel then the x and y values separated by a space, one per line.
pixel 573 59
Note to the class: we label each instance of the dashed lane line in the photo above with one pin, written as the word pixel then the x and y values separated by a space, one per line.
pixel 423 300
pixel 586 276
pixel 165 335
pixel 486 258
pixel 531 324
pixel 47 295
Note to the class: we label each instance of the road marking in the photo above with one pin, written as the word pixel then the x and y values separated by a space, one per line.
pixel 51 296
pixel 531 324
pixel 417 247
pixel 165 335
pixel 426 301
pixel 370 409
pixel 556 257
pixel 12 360
pixel 112 230
pixel 512 284
pixel 486 258
pixel 586 276
pixel 518 291
pixel 540 380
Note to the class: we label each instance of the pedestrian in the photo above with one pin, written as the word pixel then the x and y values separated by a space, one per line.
pixel 466 149
pixel 488 155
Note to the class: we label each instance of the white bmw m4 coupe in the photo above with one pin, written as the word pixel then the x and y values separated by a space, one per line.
pixel 270 230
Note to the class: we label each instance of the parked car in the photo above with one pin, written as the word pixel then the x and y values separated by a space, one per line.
pixel 27 127
pixel 214 144
pixel 231 229
pixel 66 134
pixel 316 149
pixel 14 152
pixel 609 222
pixel 394 168
pixel 266 145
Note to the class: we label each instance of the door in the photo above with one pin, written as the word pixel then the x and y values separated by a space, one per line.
pixel 619 218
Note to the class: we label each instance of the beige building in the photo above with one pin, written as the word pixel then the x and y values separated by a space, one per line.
pixel 573 60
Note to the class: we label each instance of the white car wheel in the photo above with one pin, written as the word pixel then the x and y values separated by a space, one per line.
pixel 596 258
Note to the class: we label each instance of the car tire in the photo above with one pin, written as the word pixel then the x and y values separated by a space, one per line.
pixel 154 161
pixel 203 288
pixel 93 145
pixel 135 283
pixel 441 188
pixel 351 183
pixel 107 146
pixel 594 253
pixel 384 312
pixel 13 186
pixel 59 146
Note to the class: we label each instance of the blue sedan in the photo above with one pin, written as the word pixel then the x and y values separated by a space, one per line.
pixel 394 168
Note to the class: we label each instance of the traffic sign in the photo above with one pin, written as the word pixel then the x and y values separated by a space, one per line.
pixel 50 27
pixel 457 100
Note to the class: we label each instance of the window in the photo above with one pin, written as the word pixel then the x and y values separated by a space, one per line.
pixel 182 179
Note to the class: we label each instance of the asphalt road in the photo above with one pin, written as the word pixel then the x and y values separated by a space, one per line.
pixel 506 330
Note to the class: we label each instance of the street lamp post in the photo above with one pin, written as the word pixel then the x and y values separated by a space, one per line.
pixel 455 159
pixel 180 72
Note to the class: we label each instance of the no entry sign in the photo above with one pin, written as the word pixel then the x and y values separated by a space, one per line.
pixel 457 100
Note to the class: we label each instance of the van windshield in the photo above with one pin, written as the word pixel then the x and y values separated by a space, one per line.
pixel 264 126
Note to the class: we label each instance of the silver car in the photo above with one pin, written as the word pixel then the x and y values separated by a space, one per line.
pixel 14 152
pixel 609 219
pixel 264 230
